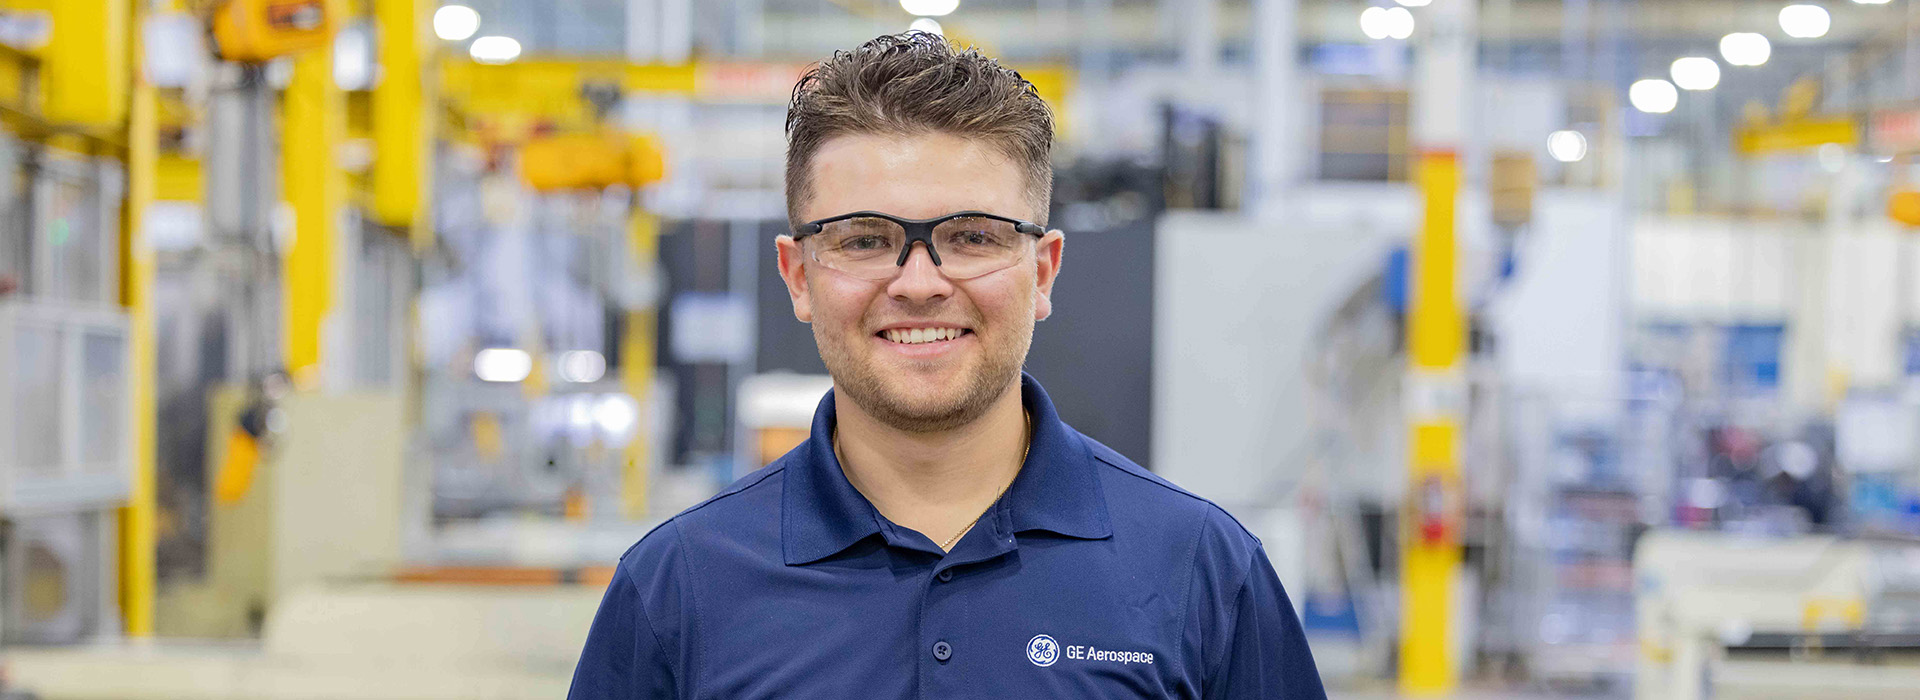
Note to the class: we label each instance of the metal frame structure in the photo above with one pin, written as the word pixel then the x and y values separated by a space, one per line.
pixel 75 479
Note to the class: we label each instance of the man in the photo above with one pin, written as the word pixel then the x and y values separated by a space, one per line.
pixel 941 534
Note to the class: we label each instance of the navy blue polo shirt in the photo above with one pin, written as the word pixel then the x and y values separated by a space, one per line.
pixel 1090 578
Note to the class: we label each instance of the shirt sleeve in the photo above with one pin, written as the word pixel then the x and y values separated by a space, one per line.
pixel 1266 654
pixel 623 658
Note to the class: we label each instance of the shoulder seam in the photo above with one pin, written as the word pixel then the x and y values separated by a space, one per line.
pixel 1177 490
pixel 700 505
pixel 1233 615
pixel 693 592
pixel 647 619
pixel 1186 597
pixel 732 492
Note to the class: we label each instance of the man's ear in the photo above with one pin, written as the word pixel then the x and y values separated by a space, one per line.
pixel 795 275
pixel 1048 252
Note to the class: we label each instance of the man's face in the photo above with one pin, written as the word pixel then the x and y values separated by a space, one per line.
pixel 924 386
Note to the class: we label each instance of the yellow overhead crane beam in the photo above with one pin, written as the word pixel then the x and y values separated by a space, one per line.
pixel 85 70
pixel 315 117
pixel 549 89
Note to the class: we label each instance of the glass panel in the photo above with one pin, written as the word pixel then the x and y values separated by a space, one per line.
pixel 38 413
pixel 71 232
pixel 103 396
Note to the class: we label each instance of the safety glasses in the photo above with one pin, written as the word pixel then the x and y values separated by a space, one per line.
pixel 872 245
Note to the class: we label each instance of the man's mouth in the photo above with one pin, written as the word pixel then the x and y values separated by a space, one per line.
pixel 917 336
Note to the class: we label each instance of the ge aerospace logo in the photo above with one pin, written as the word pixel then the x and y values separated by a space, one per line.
pixel 1042 650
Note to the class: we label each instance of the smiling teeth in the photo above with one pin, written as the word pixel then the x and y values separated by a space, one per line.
pixel 922 335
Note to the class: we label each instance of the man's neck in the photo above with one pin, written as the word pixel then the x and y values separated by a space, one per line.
pixel 935 483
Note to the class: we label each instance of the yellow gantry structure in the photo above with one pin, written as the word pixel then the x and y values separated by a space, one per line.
pixel 84 66
pixel 313 127
pixel 402 134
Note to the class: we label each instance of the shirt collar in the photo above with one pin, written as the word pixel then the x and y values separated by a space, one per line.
pixel 1058 489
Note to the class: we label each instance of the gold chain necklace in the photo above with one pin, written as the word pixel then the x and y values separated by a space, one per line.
pixel 948 547
pixel 1024 451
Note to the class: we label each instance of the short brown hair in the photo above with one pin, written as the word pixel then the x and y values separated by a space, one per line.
pixel 917 83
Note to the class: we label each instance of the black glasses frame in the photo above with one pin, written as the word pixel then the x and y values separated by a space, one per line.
pixel 917 229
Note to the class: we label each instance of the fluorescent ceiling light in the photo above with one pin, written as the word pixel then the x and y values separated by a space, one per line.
pixel 455 22
pixel 502 365
pixel 1696 73
pixel 494 50
pixel 582 366
pixel 1805 21
pixel 1567 146
pixel 930 8
pixel 1386 23
pixel 1745 49
pixel 1653 96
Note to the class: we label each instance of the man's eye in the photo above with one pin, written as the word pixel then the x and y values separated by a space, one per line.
pixel 865 243
pixel 975 239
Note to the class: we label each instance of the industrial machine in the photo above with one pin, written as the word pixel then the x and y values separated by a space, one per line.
pixel 1728 615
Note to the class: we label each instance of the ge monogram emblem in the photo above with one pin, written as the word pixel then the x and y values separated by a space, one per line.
pixel 1042 650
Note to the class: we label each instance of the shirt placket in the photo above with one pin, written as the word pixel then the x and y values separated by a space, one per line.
pixel 951 649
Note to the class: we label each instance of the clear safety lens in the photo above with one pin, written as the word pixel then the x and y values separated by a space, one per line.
pixel 964 248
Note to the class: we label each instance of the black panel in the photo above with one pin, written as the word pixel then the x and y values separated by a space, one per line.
pixel 785 342
pixel 693 258
pixel 1095 354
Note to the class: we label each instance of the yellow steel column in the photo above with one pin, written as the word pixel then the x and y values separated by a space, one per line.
pixel 315 122
pixel 402 158
pixel 636 368
pixel 1432 520
pixel 1436 342
pixel 137 536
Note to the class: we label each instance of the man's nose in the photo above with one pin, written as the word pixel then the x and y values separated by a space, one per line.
pixel 919 279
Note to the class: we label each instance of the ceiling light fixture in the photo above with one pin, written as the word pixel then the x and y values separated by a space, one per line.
pixel 502 365
pixel 1567 146
pixel 1805 21
pixel 1399 23
pixel 494 50
pixel 930 8
pixel 1386 23
pixel 1653 96
pixel 1745 49
pixel 455 22
pixel 1371 23
pixel 1696 73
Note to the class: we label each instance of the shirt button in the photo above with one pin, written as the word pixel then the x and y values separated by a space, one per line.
pixel 942 651
pixel 946 575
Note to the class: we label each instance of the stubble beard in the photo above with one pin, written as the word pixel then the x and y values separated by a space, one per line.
pixel 866 386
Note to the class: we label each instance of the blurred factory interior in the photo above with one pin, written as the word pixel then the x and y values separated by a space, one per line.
pixel 1553 348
